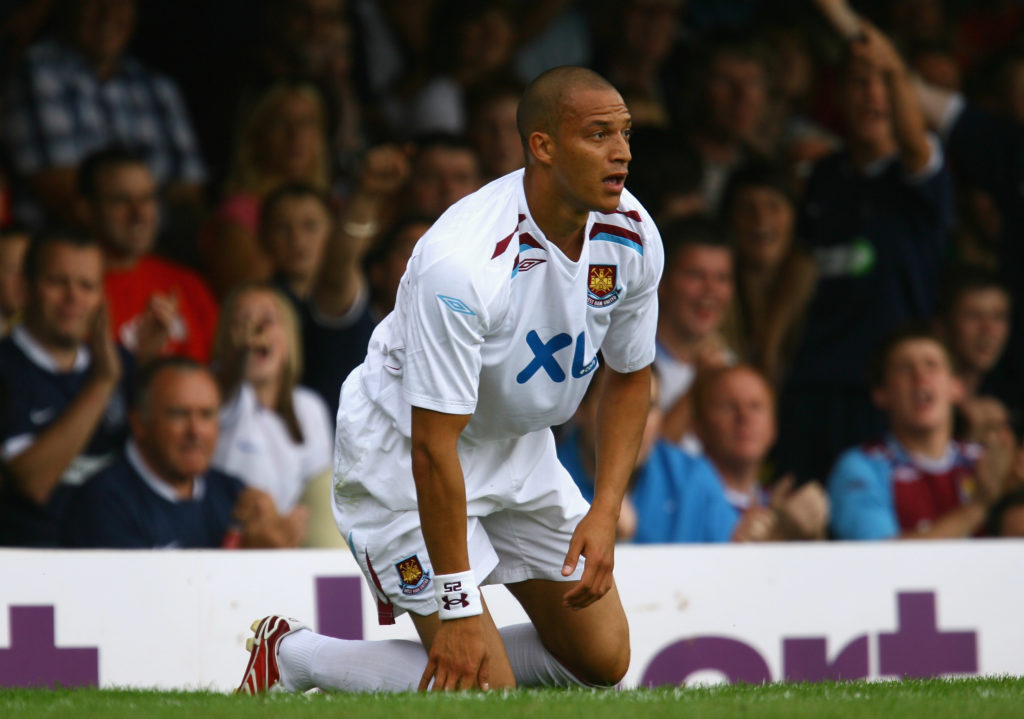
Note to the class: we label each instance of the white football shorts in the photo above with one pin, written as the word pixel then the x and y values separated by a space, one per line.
pixel 522 508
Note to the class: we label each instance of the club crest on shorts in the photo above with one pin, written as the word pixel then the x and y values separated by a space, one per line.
pixel 412 578
pixel 601 289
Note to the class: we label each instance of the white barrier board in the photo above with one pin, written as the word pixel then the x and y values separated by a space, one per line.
pixel 179 619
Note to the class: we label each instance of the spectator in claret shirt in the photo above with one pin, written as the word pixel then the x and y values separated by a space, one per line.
pixel 157 306
pixel 917 482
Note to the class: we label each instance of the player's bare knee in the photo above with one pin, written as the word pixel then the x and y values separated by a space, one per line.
pixel 604 664
pixel 607 671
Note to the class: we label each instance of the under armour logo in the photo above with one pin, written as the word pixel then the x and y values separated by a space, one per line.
pixel 451 603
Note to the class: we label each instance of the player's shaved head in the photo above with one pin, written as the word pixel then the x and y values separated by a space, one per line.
pixel 547 97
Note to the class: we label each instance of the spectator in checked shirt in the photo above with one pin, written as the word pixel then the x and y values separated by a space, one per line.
pixel 79 91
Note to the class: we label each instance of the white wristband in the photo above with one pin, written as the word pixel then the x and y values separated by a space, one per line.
pixel 457 595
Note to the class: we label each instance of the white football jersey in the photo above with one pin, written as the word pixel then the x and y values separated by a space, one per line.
pixel 493 320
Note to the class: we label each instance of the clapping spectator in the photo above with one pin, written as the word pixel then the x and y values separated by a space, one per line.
pixel 157 306
pixel 674 496
pixel 918 482
pixel 65 398
pixel 734 415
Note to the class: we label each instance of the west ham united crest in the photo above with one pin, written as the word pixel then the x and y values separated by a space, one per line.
pixel 601 289
pixel 412 579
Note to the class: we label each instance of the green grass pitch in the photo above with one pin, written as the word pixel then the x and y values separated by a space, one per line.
pixel 987 698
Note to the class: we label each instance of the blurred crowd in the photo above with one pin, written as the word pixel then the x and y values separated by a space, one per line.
pixel 205 209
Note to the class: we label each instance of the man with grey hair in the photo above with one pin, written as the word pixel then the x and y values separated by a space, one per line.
pixel 163 493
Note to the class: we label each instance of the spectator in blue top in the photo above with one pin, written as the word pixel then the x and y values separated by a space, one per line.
pixel 675 496
pixel 63 389
pixel 734 415
pixel 917 482
pixel 875 217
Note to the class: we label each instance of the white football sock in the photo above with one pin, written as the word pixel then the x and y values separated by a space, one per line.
pixel 310 660
pixel 532 664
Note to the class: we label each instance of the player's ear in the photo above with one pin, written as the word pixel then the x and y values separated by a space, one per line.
pixel 542 147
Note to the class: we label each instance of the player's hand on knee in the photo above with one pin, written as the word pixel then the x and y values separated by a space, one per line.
pixel 458 657
pixel 594 539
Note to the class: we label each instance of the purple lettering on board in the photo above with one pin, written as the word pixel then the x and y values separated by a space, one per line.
pixel 918 649
pixel 339 607
pixel 738 661
pixel 33 660
pixel 806 660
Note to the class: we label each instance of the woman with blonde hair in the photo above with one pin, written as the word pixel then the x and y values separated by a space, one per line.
pixel 274 434
pixel 282 139
pixel 775 275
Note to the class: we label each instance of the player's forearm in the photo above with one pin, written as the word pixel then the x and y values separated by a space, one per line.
pixel 441 497
pixel 622 413
pixel 440 490
pixel 36 472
